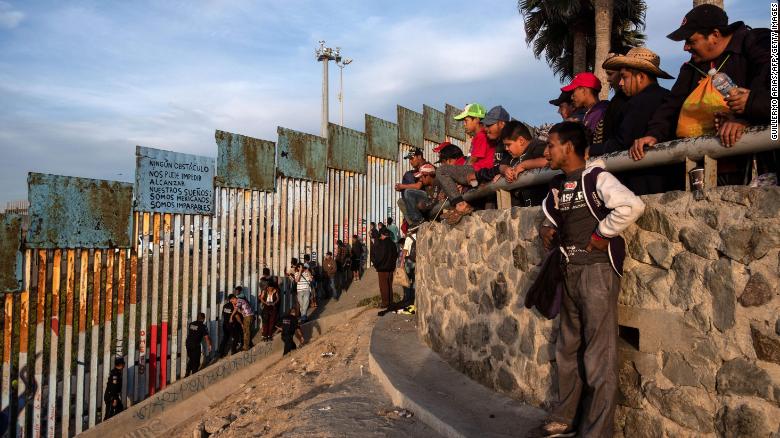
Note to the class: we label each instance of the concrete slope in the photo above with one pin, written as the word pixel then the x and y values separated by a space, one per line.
pixel 453 405
pixel 182 400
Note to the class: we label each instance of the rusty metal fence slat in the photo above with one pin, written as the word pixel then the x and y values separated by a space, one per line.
pixel 230 238
pixel 153 326
pixel 5 384
pixel 204 267
pixel 108 292
pixel 185 293
pixel 68 341
pixel 166 295
pixel 80 356
pixel 176 293
pixel 121 348
pixel 93 357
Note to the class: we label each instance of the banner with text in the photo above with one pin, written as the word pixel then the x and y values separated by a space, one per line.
pixel 173 182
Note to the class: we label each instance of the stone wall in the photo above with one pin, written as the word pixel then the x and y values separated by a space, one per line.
pixel 699 309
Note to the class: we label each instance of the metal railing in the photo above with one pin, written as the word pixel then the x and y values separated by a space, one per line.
pixel 709 149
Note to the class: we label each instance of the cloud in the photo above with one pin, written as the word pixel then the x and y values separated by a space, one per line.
pixel 91 79
pixel 9 17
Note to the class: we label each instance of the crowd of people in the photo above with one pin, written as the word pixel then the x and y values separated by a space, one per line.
pixel 721 90
pixel 311 284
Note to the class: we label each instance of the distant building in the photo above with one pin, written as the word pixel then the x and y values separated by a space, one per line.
pixel 21 207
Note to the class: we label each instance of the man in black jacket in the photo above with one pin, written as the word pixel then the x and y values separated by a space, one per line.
pixel 639 71
pixel 384 255
pixel 113 394
pixel 228 329
pixel 734 49
pixel 196 332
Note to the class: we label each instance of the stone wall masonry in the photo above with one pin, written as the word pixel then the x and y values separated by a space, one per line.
pixel 699 311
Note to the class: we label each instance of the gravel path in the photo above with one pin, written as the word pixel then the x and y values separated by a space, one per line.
pixel 311 393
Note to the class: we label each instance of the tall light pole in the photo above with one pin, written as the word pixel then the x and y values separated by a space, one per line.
pixel 326 54
pixel 343 63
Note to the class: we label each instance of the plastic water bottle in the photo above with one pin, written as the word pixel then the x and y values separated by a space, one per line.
pixel 722 82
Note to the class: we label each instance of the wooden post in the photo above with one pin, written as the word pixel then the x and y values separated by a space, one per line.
pixel 504 199
pixel 710 172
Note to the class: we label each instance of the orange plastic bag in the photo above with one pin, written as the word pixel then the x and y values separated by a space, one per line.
pixel 697 115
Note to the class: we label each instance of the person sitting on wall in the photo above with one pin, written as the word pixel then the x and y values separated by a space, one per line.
pixel 589 209
pixel 639 71
pixel 494 121
pixel 715 46
pixel 481 152
pixel 454 179
pixel 416 159
pixel 419 203
pixel 408 182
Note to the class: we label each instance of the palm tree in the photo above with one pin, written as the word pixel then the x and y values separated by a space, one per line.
pixel 564 31
pixel 603 25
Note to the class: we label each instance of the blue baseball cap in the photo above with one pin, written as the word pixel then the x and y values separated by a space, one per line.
pixel 496 114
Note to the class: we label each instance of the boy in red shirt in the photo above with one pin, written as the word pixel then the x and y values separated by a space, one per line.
pixel 481 153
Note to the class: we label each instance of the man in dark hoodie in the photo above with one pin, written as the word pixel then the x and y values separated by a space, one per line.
pixel 384 255
pixel 735 49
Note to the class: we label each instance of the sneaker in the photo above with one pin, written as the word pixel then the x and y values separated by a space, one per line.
pixel 553 429
pixel 453 217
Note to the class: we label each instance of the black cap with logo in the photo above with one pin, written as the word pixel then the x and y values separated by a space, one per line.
pixel 702 18
pixel 414 152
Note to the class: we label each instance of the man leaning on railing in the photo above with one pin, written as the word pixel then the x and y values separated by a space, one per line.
pixel 695 107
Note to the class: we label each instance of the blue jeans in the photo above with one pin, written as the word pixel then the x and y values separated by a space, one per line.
pixel 331 284
pixel 412 197
pixel 303 300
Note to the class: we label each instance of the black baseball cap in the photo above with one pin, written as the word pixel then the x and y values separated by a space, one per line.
pixel 448 152
pixel 702 18
pixel 565 97
pixel 413 152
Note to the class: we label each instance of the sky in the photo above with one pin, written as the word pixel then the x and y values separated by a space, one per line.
pixel 83 82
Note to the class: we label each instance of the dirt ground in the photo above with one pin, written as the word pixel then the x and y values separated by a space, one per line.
pixel 314 394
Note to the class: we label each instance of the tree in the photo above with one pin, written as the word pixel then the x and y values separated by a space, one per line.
pixel 603 25
pixel 564 32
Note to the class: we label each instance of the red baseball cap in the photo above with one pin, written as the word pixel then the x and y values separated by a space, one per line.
pixel 584 79
pixel 441 146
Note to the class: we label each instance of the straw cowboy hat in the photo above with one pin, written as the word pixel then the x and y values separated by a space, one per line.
pixel 638 58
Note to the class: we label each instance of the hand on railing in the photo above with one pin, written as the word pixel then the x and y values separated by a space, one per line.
pixel 730 128
pixel 637 151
